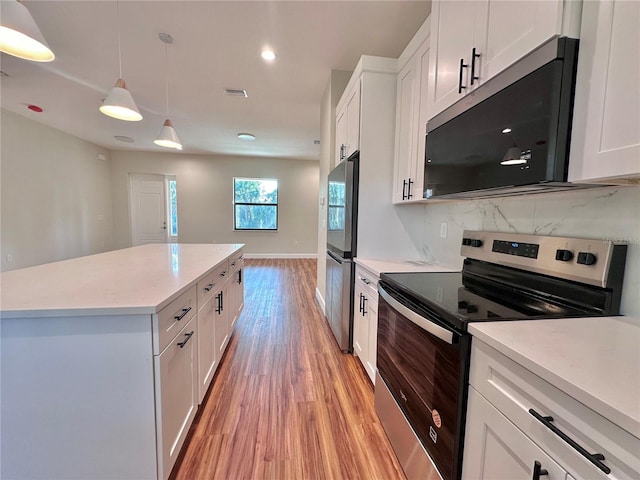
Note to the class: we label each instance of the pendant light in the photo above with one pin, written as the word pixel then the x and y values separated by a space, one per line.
pixel 19 34
pixel 168 136
pixel 119 103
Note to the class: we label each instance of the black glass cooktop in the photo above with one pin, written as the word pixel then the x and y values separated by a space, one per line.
pixel 499 294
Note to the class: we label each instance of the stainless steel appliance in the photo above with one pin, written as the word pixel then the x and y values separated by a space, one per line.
pixel 423 344
pixel 342 214
pixel 509 136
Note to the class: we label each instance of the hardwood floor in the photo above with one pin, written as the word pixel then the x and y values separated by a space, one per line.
pixel 286 403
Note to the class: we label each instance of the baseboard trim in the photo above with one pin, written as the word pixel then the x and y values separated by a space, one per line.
pixel 280 255
pixel 320 300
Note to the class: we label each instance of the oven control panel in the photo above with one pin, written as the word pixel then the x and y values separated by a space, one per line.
pixel 579 259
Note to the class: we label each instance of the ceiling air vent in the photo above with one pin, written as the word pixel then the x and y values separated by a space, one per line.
pixel 236 92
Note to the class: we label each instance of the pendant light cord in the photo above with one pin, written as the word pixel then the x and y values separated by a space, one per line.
pixel 166 68
pixel 119 46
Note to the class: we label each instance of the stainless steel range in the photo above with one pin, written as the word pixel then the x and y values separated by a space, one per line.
pixel 423 344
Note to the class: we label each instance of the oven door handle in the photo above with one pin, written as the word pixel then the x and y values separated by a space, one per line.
pixel 425 324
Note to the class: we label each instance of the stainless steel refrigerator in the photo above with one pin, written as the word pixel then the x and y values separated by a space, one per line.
pixel 342 215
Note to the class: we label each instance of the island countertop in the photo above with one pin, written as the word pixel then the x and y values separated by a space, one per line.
pixel 137 280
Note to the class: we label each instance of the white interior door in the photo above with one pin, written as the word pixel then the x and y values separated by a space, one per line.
pixel 148 208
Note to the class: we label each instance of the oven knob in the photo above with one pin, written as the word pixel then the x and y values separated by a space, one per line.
pixel 466 241
pixel 586 258
pixel 564 255
pixel 476 243
pixel 472 309
pixel 462 305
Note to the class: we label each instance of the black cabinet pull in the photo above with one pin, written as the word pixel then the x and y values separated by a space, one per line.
pixel 409 194
pixel 239 276
pixel 460 86
pixel 595 458
pixel 343 149
pixel 538 471
pixel 404 189
pixel 360 308
pixel 188 337
pixel 364 305
pixel 219 300
pixel 184 312
pixel 209 287
pixel 474 55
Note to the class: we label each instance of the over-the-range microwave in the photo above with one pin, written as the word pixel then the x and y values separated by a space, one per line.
pixel 509 136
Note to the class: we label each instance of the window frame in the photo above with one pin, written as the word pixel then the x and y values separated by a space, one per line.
pixel 276 205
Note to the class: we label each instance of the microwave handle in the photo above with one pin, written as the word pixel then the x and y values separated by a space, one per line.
pixel 424 323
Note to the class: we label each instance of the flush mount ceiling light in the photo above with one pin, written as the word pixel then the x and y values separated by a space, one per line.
pixel 168 137
pixel 19 34
pixel 123 138
pixel 506 130
pixel 268 55
pixel 119 103
pixel 246 136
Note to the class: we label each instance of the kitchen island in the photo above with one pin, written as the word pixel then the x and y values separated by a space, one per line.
pixel 104 361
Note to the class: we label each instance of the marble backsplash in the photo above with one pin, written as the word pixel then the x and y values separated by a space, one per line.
pixel 611 213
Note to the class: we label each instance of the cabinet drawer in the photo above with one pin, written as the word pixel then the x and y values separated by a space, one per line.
pixel 170 320
pixel 368 281
pixel 515 391
pixel 211 283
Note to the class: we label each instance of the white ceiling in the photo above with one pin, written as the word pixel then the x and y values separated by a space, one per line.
pixel 217 45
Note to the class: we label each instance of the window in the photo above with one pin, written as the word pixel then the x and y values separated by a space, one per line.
pixel 255 204
pixel 173 208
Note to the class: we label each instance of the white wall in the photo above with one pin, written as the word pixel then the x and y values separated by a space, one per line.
pixel 332 93
pixel 55 195
pixel 606 213
pixel 205 199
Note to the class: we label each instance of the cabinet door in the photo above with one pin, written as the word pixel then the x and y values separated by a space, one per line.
pixel 360 326
pixel 176 391
pixel 372 318
pixel 452 37
pixel 495 449
pixel 505 39
pixel 237 296
pixel 341 135
pixel 406 124
pixel 417 165
pixel 221 323
pixel 353 121
pixel 206 347
pixel 606 121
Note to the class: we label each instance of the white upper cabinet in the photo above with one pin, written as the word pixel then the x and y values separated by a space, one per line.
pixel 605 142
pixel 472 41
pixel 411 119
pixel 348 124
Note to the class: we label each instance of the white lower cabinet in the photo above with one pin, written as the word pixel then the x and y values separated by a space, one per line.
pixel 515 419
pixel 365 320
pixel 207 359
pixel 176 394
pixel 496 449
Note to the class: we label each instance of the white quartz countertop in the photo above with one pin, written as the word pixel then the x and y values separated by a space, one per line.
pixel 379 266
pixel 594 360
pixel 137 280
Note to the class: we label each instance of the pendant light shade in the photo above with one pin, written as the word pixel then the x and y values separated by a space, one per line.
pixel 168 136
pixel 19 34
pixel 513 157
pixel 119 104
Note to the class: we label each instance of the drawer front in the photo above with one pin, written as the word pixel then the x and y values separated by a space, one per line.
pixel 211 283
pixel 515 391
pixel 170 320
pixel 368 280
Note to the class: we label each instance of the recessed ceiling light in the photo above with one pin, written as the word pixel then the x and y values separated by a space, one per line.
pixel 123 138
pixel 506 130
pixel 246 136
pixel 268 55
pixel 236 92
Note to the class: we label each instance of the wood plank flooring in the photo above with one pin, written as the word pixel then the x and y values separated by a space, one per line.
pixel 286 403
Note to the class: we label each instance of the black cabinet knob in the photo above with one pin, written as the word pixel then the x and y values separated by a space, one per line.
pixel 564 255
pixel 462 305
pixel 586 258
pixel 476 243
pixel 466 241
